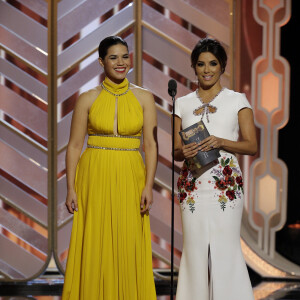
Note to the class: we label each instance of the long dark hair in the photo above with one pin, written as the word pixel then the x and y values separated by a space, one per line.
pixel 212 46
pixel 108 42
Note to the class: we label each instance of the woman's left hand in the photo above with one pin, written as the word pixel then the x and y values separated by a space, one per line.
pixel 146 200
pixel 211 142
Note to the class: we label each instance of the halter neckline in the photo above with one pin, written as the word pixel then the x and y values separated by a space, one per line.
pixel 115 89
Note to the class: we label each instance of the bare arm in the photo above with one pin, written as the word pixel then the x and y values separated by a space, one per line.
pixel 246 145
pixel 151 148
pixel 182 151
pixel 77 135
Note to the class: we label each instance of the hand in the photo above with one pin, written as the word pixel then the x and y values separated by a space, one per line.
pixel 71 202
pixel 146 200
pixel 211 142
pixel 190 150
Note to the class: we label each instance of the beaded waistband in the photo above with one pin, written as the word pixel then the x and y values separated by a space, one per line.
pixel 116 135
pixel 110 148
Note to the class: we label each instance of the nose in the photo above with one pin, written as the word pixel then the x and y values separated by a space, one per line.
pixel 120 61
pixel 206 68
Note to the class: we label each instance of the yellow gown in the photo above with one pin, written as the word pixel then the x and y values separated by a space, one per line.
pixel 110 255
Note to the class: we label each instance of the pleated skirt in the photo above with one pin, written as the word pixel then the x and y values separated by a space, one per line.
pixel 110 256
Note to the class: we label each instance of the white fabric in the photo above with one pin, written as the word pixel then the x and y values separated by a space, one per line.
pixel 211 217
pixel 224 122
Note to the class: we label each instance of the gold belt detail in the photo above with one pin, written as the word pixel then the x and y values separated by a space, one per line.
pixel 116 135
pixel 109 148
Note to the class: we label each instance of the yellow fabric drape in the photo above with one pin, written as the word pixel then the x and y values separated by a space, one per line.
pixel 110 255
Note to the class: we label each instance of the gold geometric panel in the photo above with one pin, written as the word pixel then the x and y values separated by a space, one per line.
pixel 267 193
pixel 49 57
pixel 24 226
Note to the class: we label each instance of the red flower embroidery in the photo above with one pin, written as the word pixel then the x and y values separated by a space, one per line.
pixel 190 185
pixel 227 171
pixel 185 184
pixel 239 181
pixel 184 173
pixel 230 194
pixel 182 196
pixel 221 184
pixel 230 180
pixel 179 182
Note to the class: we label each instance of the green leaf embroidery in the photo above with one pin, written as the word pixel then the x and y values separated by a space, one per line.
pixel 223 205
pixel 222 163
pixel 192 207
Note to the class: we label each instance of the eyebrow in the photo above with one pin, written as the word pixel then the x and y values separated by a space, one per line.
pixel 214 60
pixel 113 55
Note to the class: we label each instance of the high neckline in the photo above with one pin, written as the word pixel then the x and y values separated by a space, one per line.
pixel 116 88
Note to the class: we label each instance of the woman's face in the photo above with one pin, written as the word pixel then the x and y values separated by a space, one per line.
pixel 116 63
pixel 208 70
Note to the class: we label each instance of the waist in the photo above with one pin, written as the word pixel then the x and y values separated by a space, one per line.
pixel 113 142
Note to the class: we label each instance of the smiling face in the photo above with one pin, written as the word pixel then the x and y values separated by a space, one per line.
pixel 116 63
pixel 208 70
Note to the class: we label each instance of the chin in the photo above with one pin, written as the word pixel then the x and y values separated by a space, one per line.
pixel 117 79
pixel 120 75
pixel 207 85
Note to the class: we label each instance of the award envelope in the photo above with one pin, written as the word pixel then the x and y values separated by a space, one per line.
pixel 195 134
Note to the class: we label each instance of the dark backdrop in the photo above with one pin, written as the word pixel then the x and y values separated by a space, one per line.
pixel 288 239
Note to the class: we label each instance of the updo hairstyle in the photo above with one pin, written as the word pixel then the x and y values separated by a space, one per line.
pixel 212 46
pixel 107 43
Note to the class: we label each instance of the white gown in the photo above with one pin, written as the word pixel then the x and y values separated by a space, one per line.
pixel 212 264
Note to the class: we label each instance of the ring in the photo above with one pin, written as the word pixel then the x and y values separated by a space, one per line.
pixel 149 207
pixel 212 146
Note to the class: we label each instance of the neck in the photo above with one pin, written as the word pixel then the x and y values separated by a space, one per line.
pixel 204 91
pixel 114 88
pixel 208 94
pixel 114 80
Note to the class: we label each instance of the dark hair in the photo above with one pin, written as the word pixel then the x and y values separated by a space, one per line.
pixel 108 42
pixel 212 46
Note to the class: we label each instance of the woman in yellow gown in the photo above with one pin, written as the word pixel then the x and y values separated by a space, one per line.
pixel 109 187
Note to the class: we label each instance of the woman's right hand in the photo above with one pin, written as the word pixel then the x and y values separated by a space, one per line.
pixel 190 150
pixel 71 202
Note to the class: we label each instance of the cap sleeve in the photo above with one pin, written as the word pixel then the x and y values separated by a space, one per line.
pixel 243 102
pixel 177 108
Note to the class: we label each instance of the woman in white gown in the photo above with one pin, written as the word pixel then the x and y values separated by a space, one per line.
pixel 212 264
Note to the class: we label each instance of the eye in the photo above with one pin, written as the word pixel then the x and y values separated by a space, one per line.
pixel 200 64
pixel 126 56
pixel 213 63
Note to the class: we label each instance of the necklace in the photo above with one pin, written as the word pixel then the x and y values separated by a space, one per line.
pixel 116 95
pixel 206 108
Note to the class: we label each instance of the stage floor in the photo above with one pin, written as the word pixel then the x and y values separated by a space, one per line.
pixel 51 290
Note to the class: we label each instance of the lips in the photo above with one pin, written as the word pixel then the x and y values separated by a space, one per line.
pixel 120 70
pixel 208 77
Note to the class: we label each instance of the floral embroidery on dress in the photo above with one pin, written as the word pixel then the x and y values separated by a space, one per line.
pixel 228 181
pixel 186 184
